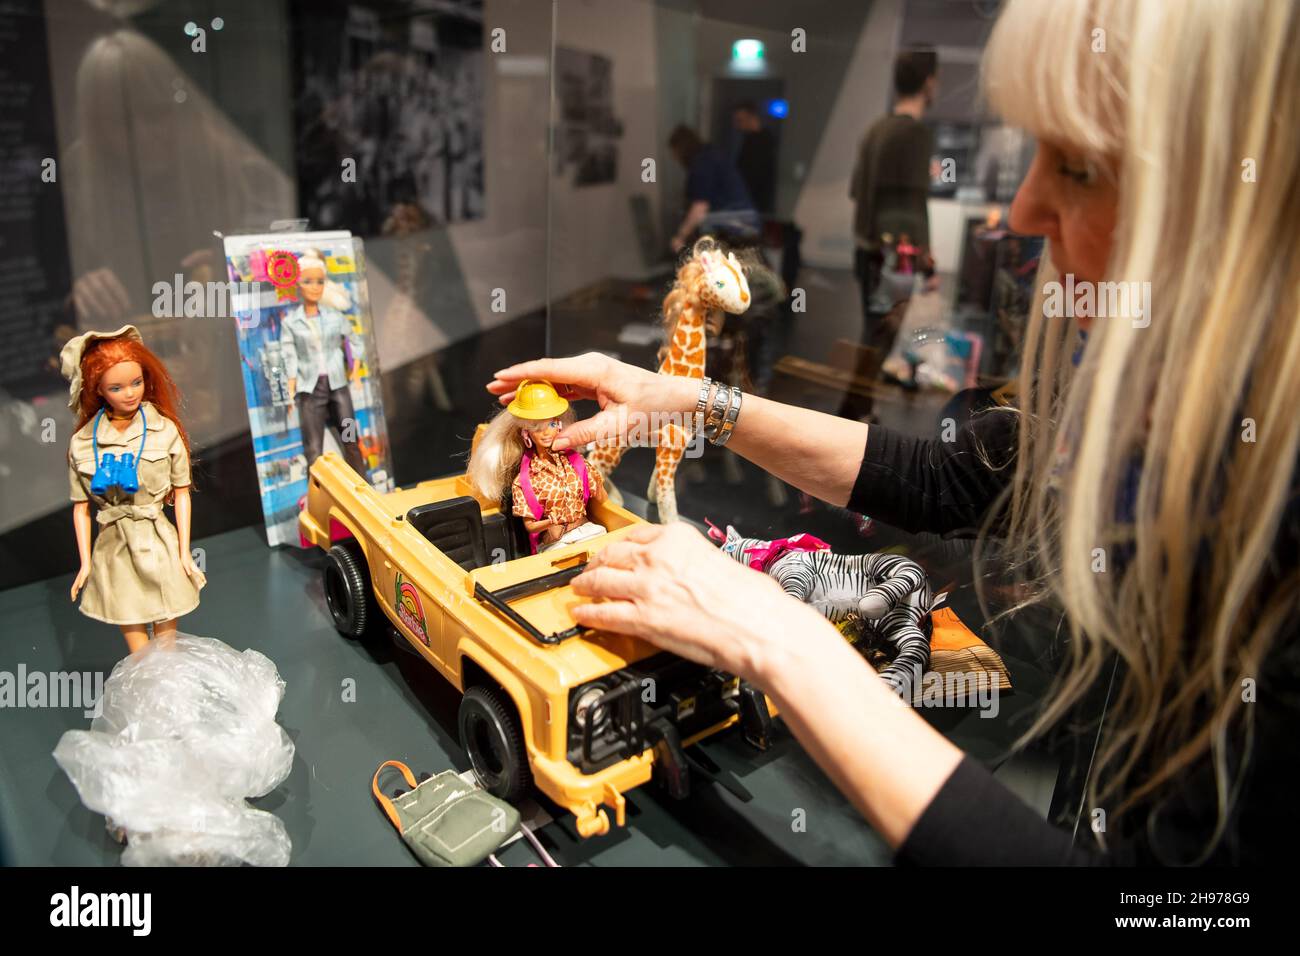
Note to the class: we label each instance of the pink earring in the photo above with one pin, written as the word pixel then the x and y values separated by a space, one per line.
pixel 528 440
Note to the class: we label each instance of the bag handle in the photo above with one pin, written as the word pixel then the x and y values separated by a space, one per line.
pixel 384 803
pixel 537 845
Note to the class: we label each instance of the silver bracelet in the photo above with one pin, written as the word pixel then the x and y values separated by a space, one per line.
pixel 721 399
pixel 701 404
pixel 729 422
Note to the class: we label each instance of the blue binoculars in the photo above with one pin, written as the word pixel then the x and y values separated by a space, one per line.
pixel 116 471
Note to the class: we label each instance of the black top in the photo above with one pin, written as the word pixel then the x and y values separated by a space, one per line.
pixel 948 487
pixel 891 182
pixel 756 163
pixel 712 179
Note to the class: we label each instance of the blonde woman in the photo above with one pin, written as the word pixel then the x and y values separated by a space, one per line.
pixel 1166 436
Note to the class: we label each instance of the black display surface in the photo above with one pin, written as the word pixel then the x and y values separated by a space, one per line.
pixel 776 808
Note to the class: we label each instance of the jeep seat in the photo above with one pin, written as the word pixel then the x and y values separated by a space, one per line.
pixel 497 537
pixel 454 527
pixel 515 529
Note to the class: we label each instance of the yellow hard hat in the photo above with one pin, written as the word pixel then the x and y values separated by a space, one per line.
pixel 537 401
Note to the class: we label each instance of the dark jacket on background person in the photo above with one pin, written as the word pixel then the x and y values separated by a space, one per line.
pixel 711 179
pixel 891 182
pixel 756 163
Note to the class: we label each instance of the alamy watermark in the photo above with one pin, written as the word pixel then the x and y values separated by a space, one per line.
pixel 131 910
pixel 179 299
pixel 658 429
pixel 56 689
pixel 1099 300
pixel 979 689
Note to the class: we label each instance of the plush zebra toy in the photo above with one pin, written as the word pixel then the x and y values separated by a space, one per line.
pixel 888 593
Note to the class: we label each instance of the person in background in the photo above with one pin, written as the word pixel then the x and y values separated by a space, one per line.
pixel 756 158
pixel 890 185
pixel 717 200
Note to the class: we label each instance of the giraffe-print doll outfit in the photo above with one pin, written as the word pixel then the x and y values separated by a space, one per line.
pixel 557 487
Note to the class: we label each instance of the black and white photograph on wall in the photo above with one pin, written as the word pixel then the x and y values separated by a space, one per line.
pixel 389 112
pixel 586 141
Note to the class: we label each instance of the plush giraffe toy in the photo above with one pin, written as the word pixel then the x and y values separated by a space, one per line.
pixel 710 282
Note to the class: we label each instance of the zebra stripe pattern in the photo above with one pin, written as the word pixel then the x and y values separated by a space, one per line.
pixel 888 592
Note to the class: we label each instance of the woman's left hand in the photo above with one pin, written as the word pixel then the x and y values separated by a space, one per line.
pixel 187 563
pixel 669 585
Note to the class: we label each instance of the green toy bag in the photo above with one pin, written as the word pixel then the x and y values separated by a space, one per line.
pixel 444 820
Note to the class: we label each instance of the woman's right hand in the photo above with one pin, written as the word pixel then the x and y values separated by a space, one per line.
pixel 80 581
pixel 628 396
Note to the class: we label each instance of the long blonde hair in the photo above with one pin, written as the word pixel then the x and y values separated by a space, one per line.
pixel 1196 106
pixel 494 460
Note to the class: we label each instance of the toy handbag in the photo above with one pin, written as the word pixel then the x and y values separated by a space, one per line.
pixel 444 820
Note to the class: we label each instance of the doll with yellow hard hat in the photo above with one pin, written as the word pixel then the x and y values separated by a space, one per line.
pixel 550 490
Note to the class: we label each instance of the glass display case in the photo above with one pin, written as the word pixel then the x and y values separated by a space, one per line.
pixel 520 176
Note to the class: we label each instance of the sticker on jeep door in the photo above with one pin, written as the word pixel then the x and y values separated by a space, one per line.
pixel 409 610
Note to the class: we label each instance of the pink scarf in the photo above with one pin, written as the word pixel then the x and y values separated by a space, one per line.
pixel 761 556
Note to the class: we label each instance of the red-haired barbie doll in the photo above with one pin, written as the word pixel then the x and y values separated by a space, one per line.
pixel 129 455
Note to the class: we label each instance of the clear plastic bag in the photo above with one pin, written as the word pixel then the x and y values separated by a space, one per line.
pixel 187 732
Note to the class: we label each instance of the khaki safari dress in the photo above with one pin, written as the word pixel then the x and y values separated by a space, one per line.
pixel 135 569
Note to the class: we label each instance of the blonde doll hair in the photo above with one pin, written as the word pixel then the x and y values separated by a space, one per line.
pixel 1196 107
pixel 494 462
pixel 333 295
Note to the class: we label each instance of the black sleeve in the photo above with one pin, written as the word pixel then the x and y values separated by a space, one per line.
pixel 859 182
pixel 976 821
pixel 702 180
pixel 920 484
pixel 919 149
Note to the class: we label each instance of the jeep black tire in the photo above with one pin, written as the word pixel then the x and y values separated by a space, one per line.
pixel 491 736
pixel 347 590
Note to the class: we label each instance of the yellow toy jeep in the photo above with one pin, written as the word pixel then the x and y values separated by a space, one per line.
pixel 584 715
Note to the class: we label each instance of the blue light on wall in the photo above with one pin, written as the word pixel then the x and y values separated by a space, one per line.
pixel 778 108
